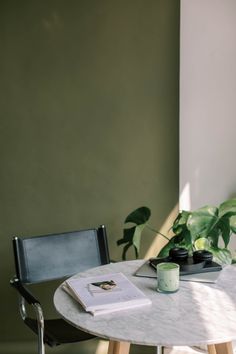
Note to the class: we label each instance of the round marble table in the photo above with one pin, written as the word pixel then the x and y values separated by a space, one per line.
pixel 198 314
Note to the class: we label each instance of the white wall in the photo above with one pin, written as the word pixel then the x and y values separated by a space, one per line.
pixel 207 102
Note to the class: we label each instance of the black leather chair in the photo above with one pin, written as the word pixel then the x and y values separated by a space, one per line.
pixel 49 257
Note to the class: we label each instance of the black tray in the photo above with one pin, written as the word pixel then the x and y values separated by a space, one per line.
pixel 188 266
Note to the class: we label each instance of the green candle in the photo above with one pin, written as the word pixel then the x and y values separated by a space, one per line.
pixel 167 277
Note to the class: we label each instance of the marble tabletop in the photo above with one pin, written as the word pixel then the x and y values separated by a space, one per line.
pixel 198 314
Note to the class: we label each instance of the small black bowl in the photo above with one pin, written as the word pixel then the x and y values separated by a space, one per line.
pixel 202 255
pixel 178 254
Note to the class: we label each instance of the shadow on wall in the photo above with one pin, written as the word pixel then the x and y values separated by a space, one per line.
pixel 159 241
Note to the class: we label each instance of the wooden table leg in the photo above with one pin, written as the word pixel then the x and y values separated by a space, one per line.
pixel 118 347
pixel 211 349
pixel 222 348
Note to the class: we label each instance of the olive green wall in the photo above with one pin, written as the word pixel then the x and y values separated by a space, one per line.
pixel 89 121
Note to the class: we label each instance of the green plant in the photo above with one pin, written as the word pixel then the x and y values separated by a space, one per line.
pixel 207 228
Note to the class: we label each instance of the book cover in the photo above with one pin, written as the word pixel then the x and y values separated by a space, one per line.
pixel 106 293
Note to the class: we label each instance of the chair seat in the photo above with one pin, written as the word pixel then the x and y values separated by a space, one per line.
pixel 58 331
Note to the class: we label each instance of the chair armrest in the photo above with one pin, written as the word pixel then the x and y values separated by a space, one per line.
pixel 25 293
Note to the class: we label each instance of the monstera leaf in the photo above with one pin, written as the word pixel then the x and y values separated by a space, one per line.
pixel 221 255
pixel 213 223
pixel 232 223
pixel 209 223
pixel 179 224
pixel 202 221
pixel 190 228
pixel 228 208
pixel 132 235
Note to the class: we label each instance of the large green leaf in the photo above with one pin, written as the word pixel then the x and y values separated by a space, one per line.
pixel 137 236
pixel 214 236
pixel 228 208
pixel 201 221
pixel 132 235
pixel 232 223
pixel 221 255
pixel 179 224
pixel 224 228
pixel 164 252
pixel 139 216
pixel 187 239
pixel 181 240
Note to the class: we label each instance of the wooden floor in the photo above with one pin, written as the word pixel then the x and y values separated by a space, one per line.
pixel 93 347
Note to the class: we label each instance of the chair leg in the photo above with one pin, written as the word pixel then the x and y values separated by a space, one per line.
pixel 160 349
pixel 40 320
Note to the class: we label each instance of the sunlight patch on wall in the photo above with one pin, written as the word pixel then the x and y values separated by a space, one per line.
pixel 160 241
pixel 185 198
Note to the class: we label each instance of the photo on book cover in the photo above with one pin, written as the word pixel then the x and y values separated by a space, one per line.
pixel 103 287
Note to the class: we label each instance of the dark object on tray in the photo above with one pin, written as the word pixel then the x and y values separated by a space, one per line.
pixel 202 255
pixel 200 262
pixel 178 254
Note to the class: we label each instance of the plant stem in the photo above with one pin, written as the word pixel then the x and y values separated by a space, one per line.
pixel 158 232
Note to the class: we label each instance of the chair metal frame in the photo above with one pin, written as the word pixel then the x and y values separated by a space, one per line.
pixel 25 296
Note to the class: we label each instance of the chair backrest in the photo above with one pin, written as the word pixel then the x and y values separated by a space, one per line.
pixel 49 257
